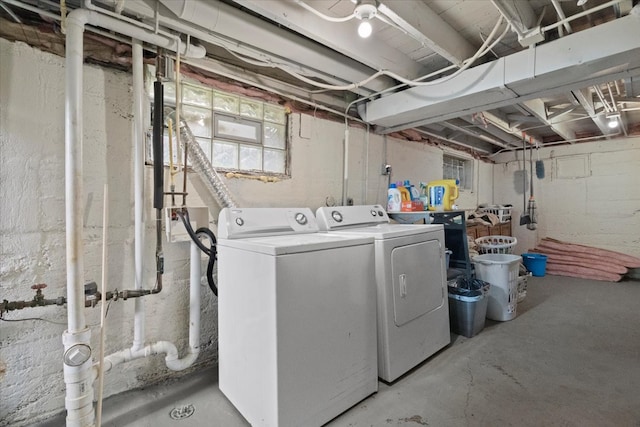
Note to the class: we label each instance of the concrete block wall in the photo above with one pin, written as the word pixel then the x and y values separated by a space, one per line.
pixel 32 228
pixel 589 195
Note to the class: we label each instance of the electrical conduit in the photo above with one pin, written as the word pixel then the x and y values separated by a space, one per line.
pixel 78 373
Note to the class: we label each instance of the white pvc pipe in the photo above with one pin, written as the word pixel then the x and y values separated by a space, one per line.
pixel 194 300
pixel 345 168
pixel 103 299
pixel 78 375
pixel 74 196
pixel 138 189
pixel 172 360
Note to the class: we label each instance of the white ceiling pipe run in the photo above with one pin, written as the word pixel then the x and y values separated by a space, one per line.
pixel 607 52
pixel 241 31
pixel 78 375
pixel 338 36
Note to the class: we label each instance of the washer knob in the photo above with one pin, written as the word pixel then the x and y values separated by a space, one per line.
pixel 240 221
pixel 301 218
pixel 373 212
pixel 337 216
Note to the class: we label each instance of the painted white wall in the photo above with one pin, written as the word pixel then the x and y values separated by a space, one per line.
pixel 590 194
pixel 32 225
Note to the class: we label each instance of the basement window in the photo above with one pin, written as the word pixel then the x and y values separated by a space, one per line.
pixel 460 169
pixel 236 133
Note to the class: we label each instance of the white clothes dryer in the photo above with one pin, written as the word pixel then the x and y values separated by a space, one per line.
pixel 296 317
pixel 413 311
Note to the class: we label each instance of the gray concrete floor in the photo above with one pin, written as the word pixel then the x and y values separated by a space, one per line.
pixel 570 358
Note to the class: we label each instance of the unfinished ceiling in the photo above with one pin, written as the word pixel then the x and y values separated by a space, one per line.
pixel 475 75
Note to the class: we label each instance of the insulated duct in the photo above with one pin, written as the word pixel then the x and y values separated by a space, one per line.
pixel 203 167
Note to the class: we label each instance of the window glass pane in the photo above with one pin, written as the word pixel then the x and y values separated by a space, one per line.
pixel 274 161
pixel 250 157
pixel 249 108
pixel 224 102
pixel 225 155
pixel 196 95
pixel 199 120
pixel 460 169
pixel 274 136
pixel 205 144
pixel 235 128
pixel 274 114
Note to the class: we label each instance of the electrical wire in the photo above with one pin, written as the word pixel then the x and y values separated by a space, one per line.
pixel 486 47
pixel 323 16
pixel 33 318
pixel 211 251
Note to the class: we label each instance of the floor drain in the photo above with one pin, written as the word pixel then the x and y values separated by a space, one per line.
pixel 182 412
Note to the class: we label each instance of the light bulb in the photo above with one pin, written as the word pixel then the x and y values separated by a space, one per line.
pixel 365 29
pixel 613 123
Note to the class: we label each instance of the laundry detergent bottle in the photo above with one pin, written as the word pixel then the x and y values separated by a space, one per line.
pixel 442 194
pixel 405 197
pixel 394 199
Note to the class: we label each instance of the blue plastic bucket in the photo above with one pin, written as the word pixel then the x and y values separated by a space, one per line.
pixel 535 263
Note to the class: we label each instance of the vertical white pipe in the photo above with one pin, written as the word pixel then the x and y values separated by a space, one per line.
pixel 74 196
pixel 77 338
pixel 194 300
pixel 103 300
pixel 138 189
pixel 345 167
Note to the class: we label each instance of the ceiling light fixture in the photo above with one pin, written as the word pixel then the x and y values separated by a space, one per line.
pixel 581 2
pixel 614 120
pixel 365 11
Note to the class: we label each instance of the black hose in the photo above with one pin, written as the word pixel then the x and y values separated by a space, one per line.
pixel 211 251
pixel 158 155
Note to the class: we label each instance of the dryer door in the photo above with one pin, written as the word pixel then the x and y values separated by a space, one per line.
pixel 418 280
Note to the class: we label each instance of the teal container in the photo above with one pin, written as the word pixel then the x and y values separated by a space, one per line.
pixel 535 263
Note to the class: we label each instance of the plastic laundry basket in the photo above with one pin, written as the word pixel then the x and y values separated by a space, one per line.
pixel 501 271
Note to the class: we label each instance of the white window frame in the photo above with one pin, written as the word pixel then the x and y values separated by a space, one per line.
pixel 217 136
pixel 460 168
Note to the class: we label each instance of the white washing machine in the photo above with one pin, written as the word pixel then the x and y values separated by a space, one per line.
pixel 296 317
pixel 413 311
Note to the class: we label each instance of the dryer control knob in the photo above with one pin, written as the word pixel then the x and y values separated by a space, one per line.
pixel 373 212
pixel 240 221
pixel 337 216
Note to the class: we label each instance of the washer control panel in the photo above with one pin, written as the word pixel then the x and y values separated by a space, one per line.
pixel 236 223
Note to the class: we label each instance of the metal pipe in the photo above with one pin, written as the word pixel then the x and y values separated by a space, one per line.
pixel 33 9
pixel 613 101
pixel 581 14
pixel 138 188
pixel 562 17
pixel 602 98
pixel 10 12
